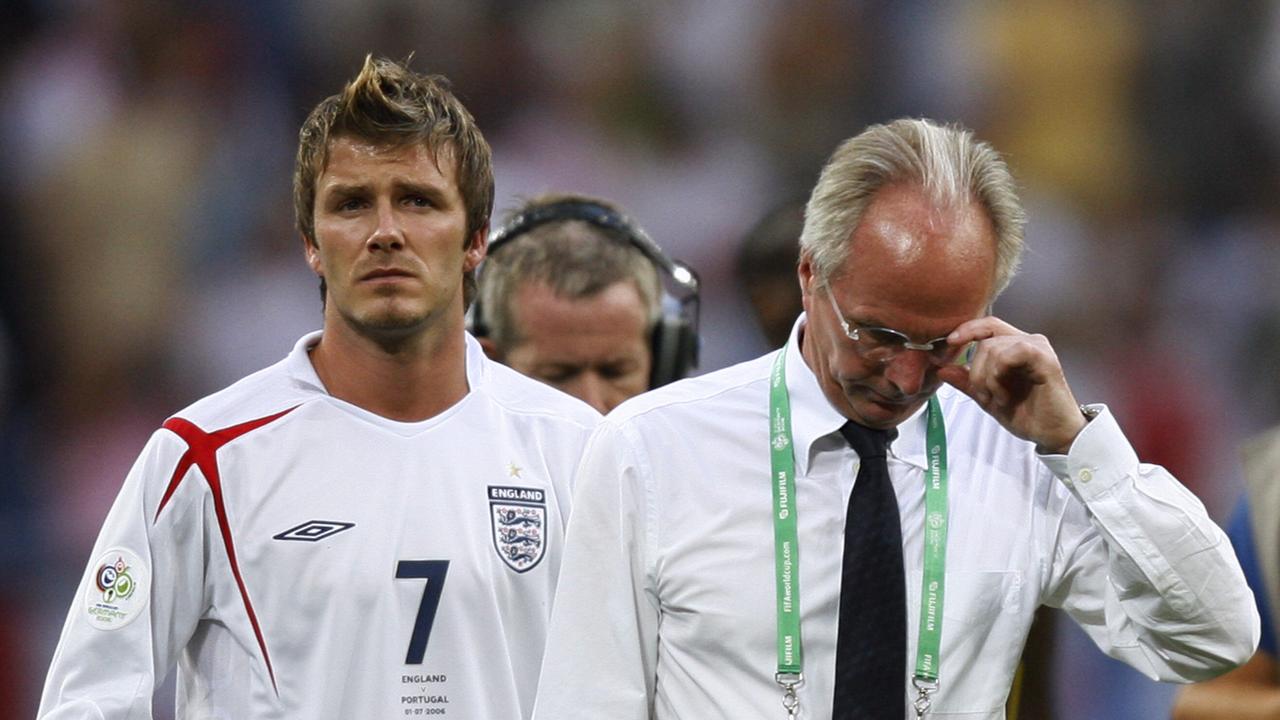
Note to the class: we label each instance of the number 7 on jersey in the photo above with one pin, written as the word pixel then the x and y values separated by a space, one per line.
pixel 433 571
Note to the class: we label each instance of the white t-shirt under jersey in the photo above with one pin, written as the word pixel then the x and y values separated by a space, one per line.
pixel 298 557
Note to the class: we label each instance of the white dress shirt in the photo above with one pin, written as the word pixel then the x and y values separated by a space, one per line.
pixel 666 606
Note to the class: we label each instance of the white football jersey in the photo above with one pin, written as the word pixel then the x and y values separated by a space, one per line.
pixel 299 557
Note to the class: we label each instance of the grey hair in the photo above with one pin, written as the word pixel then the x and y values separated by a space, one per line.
pixel 946 160
pixel 575 258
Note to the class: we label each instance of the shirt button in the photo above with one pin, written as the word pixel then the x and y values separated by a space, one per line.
pixel 1085 475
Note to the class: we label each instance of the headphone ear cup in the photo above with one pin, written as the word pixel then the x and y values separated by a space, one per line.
pixel 664 346
pixel 687 352
pixel 681 309
pixel 674 348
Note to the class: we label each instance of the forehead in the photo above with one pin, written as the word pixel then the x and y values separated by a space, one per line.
pixel 352 159
pixel 911 257
pixel 594 327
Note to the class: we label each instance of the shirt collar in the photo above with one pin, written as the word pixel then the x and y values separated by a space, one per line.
pixel 910 445
pixel 300 367
pixel 477 364
pixel 306 376
pixel 815 424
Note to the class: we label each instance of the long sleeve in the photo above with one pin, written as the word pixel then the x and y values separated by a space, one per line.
pixel 1146 573
pixel 137 604
pixel 602 646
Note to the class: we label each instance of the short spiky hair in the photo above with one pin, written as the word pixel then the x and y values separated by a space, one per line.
pixel 389 104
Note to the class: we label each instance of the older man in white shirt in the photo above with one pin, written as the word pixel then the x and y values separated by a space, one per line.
pixel 705 574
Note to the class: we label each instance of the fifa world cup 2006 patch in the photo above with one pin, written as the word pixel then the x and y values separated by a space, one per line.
pixel 118 591
pixel 518 516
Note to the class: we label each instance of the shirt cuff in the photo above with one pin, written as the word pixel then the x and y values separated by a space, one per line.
pixel 1099 458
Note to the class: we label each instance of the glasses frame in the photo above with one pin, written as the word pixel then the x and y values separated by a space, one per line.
pixel 903 342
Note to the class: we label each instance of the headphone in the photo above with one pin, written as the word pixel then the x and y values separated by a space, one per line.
pixel 674 343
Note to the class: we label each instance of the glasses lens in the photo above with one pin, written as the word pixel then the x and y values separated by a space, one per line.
pixel 883 344
pixel 879 343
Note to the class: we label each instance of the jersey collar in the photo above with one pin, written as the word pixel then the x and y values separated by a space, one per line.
pixel 304 373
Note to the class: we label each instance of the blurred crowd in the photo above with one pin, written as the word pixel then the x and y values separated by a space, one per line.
pixel 151 256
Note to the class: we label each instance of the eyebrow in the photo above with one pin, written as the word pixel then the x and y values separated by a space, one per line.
pixel 582 364
pixel 427 189
pixel 856 321
pixel 876 324
pixel 400 185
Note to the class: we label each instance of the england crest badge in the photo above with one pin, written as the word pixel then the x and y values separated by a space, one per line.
pixel 518 516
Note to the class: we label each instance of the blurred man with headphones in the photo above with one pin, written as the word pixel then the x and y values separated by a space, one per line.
pixel 576 295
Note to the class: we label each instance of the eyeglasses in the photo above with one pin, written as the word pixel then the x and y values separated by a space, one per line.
pixel 881 344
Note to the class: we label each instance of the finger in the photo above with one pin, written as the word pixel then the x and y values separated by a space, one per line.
pixel 992 370
pixel 1025 359
pixel 979 373
pixel 980 329
pixel 998 388
pixel 984 387
pixel 956 376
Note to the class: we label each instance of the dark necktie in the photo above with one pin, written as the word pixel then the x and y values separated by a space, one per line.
pixel 871 646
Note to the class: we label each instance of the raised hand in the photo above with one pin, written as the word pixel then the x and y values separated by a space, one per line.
pixel 1017 378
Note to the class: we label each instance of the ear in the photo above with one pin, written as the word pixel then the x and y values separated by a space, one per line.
pixel 490 348
pixel 476 250
pixel 807 279
pixel 312 253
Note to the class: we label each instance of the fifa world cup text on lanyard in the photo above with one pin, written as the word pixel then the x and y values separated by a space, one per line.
pixel 790 674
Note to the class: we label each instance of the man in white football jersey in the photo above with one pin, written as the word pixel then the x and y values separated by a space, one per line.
pixel 370 528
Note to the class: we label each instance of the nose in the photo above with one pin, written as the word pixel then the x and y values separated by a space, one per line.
pixel 907 371
pixel 595 391
pixel 387 234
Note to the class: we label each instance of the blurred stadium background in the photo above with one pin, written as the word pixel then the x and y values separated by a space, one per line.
pixel 151 257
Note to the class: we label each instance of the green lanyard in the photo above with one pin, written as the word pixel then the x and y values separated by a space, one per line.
pixel 790 673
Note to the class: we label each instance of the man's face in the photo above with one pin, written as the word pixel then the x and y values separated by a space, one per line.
pixel 594 348
pixel 389 238
pixel 912 268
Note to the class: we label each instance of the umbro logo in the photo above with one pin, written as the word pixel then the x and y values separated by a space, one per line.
pixel 314 530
